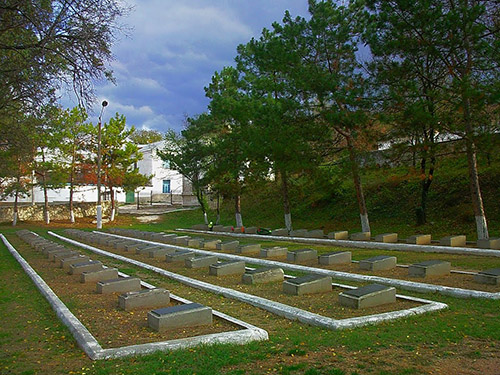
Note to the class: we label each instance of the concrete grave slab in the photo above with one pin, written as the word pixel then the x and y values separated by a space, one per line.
pixel 159 252
pixel 238 229
pixel 148 298
pixel 361 236
pixel 179 256
pixel 200 261
pixel 90 266
pixel 316 233
pixel 302 255
pixel 62 256
pixel 263 275
pixel 95 276
pixel 217 228
pixel 335 257
pixel 279 232
pixel 50 253
pixel 65 263
pixel 181 240
pixel 430 268
pixel 309 284
pixel 123 245
pixel 231 267
pixel 490 276
pixel 276 251
pixel 251 230
pixel 167 238
pixel 56 255
pixel 121 284
pixel 368 296
pixel 147 249
pixel 378 263
pixel 454 241
pixel 298 233
pixel 339 235
pixel 228 245
pixel 211 244
pixel 195 242
pixel 228 228
pixel 188 315
pixel 419 239
pixel 387 237
pixel 200 227
pixel 249 249
pixel 490 243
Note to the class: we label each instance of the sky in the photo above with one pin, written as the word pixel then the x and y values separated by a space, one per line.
pixel 172 51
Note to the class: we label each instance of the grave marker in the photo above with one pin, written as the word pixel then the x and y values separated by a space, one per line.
pixel 231 267
pixel 121 284
pixel 335 257
pixel 339 235
pixel 430 268
pixel 368 296
pixel 150 298
pixel 263 275
pixel 309 284
pixel 188 315
pixel 378 263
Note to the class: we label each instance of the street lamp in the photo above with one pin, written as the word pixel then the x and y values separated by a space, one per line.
pixel 99 206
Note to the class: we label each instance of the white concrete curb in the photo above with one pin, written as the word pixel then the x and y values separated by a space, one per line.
pixel 359 244
pixel 92 348
pixel 277 308
pixel 403 284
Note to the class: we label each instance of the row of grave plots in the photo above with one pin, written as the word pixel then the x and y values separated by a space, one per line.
pixel 309 297
pixel 427 271
pixel 418 239
pixel 123 310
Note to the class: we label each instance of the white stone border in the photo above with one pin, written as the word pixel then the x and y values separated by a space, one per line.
pixel 94 350
pixel 359 244
pixel 402 284
pixel 277 308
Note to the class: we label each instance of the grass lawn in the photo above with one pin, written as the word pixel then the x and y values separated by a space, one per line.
pixel 464 339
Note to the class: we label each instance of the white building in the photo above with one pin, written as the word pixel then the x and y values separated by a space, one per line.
pixel 167 185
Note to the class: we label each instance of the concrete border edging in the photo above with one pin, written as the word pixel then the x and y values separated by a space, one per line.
pixel 94 350
pixel 403 284
pixel 277 308
pixel 360 244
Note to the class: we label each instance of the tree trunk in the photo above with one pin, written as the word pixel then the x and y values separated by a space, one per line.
pixel 14 219
pixel 474 186
pixel 199 197
pixel 363 213
pixel 71 187
pixel 286 201
pixel 425 185
pixel 217 222
pixel 237 210
pixel 112 194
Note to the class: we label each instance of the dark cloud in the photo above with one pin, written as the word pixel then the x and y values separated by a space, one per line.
pixel 173 51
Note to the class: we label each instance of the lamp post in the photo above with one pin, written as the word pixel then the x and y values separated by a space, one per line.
pixel 99 206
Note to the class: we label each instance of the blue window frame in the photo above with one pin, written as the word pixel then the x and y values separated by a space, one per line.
pixel 166 186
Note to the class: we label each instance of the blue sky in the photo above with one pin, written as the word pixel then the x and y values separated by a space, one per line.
pixel 173 50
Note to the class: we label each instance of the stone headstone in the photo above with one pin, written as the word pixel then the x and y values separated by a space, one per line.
pixel 279 232
pixel 298 233
pixel 179 256
pixel 249 249
pixel 150 298
pixel 339 235
pixel 490 276
pixel 454 241
pixel 387 237
pixel 201 261
pixel 121 284
pixel 309 284
pixel 360 236
pixel 276 251
pixel 368 296
pixel 251 230
pixel 302 255
pixel 211 244
pixel 419 239
pixel 378 263
pixel 90 266
pixel 335 257
pixel 317 233
pixel 490 243
pixel 232 267
pixel 430 268
pixel 228 245
pixel 263 275
pixel 188 315
pixel 95 276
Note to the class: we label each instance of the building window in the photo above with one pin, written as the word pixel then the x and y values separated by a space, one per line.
pixel 166 164
pixel 166 186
